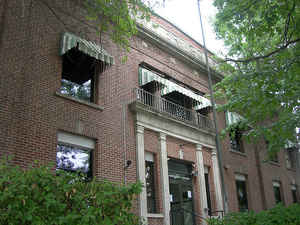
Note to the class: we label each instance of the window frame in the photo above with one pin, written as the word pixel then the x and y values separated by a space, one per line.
pixel 80 142
pixel 289 159
pixel 278 187
pixel 94 79
pixel 152 203
pixel 237 138
pixel 89 174
pixel 294 193
pixel 242 179
pixel 207 187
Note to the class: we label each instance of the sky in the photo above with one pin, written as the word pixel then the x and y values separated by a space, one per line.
pixel 184 14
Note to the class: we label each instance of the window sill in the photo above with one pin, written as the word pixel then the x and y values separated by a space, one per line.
pixel 79 101
pixel 238 153
pixel 291 169
pixel 274 163
pixel 155 215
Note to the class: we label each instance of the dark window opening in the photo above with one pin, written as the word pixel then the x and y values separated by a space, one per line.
pixel 236 143
pixel 274 158
pixel 208 194
pixel 242 195
pixel 289 159
pixel 74 159
pixel 78 75
pixel 277 193
pixel 150 187
pixel 205 111
pixel 294 195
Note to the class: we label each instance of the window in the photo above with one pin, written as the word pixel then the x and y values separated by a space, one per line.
pixel 274 158
pixel 289 159
pixel 78 75
pixel 150 182
pixel 240 181
pixel 82 59
pixel 206 176
pixel 74 153
pixel 274 155
pixel 277 191
pixel 294 194
pixel 235 136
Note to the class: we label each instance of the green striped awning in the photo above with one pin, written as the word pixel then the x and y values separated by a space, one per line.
pixel 171 87
pixel 232 118
pixel 147 76
pixel 90 48
pixel 203 103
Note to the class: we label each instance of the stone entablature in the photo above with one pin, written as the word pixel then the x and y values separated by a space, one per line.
pixel 161 123
pixel 176 41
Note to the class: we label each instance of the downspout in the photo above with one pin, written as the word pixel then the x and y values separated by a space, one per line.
pixel 218 146
pixel 124 141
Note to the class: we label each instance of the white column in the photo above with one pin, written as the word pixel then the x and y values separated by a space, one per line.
pixel 164 175
pixel 217 180
pixel 201 180
pixel 140 155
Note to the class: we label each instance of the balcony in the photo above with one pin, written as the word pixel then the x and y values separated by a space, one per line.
pixel 160 105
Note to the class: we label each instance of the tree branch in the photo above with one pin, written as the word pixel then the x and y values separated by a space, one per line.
pixel 263 56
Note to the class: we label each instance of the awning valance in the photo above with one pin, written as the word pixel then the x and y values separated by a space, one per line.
pixel 171 87
pixel 203 103
pixel 147 76
pixel 232 117
pixel 290 144
pixel 70 41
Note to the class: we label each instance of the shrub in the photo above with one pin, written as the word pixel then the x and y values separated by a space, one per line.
pixel 41 196
pixel 279 215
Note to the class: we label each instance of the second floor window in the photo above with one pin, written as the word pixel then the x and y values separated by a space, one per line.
pixel 78 76
pixel 294 194
pixel 236 143
pixel 289 158
pixel 82 60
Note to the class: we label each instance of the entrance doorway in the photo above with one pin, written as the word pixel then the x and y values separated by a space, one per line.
pixel 181 193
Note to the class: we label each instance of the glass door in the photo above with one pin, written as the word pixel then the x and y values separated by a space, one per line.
pixel 181 194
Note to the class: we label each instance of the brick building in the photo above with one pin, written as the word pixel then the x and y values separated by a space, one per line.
pixel 65 95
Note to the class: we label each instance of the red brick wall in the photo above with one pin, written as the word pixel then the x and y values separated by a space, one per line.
pixel 31 114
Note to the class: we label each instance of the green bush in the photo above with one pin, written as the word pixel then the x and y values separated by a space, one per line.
pixel 40 196
pixel 279 215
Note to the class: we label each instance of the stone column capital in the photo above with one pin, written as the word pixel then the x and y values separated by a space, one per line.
pixel 199 147
pixel 214 152
pixel 162 136
pixel 140 129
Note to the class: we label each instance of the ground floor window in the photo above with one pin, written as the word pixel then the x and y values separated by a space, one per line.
pixel 241 189
pixel 294 194
pixel 150 182
pixel 74 153
pixel 207 187
pixel 277 191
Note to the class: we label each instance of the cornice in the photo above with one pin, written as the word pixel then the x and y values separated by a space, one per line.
pixel 169 42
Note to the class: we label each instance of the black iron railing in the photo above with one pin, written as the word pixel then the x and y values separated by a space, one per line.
pixel 162 105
